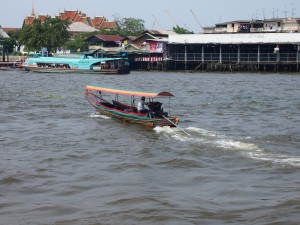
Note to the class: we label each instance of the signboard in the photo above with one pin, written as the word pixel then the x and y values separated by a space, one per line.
pixel 44 52
pixel 156 47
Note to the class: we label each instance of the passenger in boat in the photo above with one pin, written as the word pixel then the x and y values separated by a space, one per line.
pixel 141 106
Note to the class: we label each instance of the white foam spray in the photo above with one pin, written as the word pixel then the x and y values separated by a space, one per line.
pixel 97 115
pixel 243 147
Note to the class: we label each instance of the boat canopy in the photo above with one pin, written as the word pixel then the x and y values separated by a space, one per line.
pixel 69 60
pixel 132 93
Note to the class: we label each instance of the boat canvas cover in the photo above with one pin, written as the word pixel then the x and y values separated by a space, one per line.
pixel 125 92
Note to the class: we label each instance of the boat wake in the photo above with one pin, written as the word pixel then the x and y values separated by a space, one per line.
pixel 222 142
pixel 97 115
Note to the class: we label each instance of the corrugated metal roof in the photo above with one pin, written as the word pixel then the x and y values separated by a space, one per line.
pixel 249 38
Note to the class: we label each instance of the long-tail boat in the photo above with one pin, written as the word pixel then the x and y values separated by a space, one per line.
pixel 127 111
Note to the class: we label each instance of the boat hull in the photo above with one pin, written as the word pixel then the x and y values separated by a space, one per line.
pixel 130 117
pixel 63 70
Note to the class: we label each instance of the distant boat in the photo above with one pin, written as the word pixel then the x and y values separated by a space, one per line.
pixel 84 64
pixel 156 116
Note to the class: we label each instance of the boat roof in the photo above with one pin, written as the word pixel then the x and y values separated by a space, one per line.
pixel 126 92
pixel 69 60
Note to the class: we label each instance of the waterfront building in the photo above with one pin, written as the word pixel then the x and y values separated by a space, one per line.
pixel 146 52
pixel 291 25
pixel 236 51
pixel 272 25
pixel 104 40
pixel 284 25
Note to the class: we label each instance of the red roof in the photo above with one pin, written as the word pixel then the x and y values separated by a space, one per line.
pixel 62 16
pixel 71 14
pixel 42 17
pixel 77 16
pixel 109 25
pixel 29 20
pixel 98 20
pixel 105 37
pixel 8 29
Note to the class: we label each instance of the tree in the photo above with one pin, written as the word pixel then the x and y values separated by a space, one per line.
pixel 9 44
pixel 14 36
pixel 52 33
pixel 31 35
pixel 55 32
pixel 181 30
pixel 131 26
pixel 77 42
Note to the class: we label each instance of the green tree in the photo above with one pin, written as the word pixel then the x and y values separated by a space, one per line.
pixel 55 32
pixel 9 44
pixel 31 35
pixel 77 42
pixel 14 35
pixel 131 26
pixel 181 30
pixel 52 33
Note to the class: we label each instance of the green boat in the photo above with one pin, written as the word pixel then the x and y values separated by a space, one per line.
pixel 84 64
pixel 156 116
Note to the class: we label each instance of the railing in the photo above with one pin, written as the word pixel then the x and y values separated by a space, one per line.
pixel 235 58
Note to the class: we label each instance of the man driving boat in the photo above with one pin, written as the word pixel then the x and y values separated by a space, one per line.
pixel 141 106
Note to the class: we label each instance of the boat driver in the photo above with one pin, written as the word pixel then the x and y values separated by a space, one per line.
pixel 141 106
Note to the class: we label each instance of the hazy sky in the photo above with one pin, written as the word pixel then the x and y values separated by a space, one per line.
pixel 157 14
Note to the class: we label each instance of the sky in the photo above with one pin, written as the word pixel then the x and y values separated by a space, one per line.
pixel 157 14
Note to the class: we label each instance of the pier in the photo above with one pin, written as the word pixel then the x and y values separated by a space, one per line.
pixel 269 52
pixel 11 62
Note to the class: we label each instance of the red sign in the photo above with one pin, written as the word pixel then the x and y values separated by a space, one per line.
pixel 156 47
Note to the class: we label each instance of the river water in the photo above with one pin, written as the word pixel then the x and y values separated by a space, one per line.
pixel 62 163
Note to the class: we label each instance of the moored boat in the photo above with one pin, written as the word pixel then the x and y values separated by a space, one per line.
pixel 84 64
pixel 127 111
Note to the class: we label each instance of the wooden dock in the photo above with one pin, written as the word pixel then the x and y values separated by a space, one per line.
pixel 5 65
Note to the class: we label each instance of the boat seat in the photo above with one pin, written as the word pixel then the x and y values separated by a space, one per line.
pixel 108 104
pixel 124 107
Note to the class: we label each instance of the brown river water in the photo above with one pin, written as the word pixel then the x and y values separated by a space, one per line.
pixel 62 163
